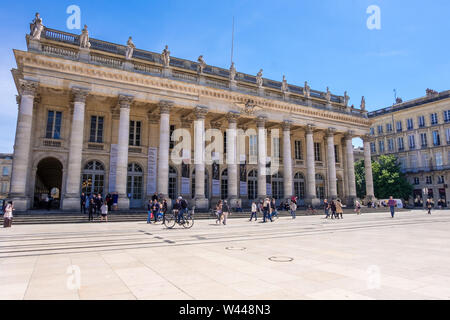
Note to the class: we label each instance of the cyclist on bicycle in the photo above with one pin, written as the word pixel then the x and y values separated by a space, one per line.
pixel 183 208
pixel 156 207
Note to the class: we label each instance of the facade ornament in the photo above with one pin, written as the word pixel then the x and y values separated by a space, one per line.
pixel 349 135
pixel 130 49
pixel 165 106
pixel 259 79
pixel 201 112
pixel 125 101
pixel 80 94
pixel 36 27
pixel 261 121
pixel 233 117
pixel 346 99
pixel 307 90
pixel 284 85
pixel 28 87
pixel 165 56
pixel 287 124
pixel 201 65
pixel 84 38
pixel 310 128
pixel 432 93
pixel 232 72
pixel 363 104
pixel 331 132
pixel 328 95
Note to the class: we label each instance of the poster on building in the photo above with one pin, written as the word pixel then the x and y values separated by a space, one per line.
pixel 185 177
pixel 215 179
pixel 152 170
pixel 243 179
pixel 113 168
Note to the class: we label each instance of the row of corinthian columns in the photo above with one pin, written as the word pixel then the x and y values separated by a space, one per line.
pixel 71 197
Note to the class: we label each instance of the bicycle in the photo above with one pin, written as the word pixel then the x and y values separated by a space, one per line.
pixel 186 222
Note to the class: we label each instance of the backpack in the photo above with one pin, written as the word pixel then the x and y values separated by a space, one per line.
pixel 184 204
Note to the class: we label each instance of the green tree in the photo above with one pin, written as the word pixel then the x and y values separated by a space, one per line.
pixel 388 180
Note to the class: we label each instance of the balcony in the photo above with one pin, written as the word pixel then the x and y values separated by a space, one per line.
pixel 52 143
pixel 425 169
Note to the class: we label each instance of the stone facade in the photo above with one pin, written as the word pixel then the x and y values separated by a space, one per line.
pixel 417 132
pixel 98 120
pixel 5 174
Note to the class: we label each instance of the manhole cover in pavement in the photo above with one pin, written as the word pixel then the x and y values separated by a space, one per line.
pixel 236 248
pixel 281 259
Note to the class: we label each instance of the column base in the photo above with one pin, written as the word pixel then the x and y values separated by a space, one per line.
pixel 123 203
pixel 234 203
pixel 21 204
pixel 71 203
pixel 315 202
pixel 201 204
pixel 351 201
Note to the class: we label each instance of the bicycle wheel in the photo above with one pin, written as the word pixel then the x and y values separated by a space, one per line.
pixel 170 220
pixel 188 222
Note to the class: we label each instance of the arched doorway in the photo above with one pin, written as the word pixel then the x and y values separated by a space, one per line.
pixel 173 183
pixel 252 185
pixel 277 186
pixel 320 187
pixel 299 187
pixel 47 190
pixel 135 183
pixel 224 185
pixel 206 184
pixel 93 179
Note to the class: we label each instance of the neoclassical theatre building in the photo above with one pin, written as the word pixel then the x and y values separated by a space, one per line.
pixel 98 117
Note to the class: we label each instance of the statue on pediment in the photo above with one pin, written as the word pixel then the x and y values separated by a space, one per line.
pixel 259 79
pixel 346 98
pixel 84 38
pixel 201 64
pixel 284 84
pixel 165 55
pixel 130 49
pixel 328 95
pixel 232 72
pixel 307 90
pixel 363 104
pixel 36 27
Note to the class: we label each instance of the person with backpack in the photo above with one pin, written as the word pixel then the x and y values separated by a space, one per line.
pixel 183 210
pixel 254 212
pixel 293 209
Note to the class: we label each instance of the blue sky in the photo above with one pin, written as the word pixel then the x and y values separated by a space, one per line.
pixel 326 43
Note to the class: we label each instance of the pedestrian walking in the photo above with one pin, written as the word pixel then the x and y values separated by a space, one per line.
pixel 149 211
pixel 339 210
pixel 266 210
pixel 83 203
pixel 219 212
pixel 91 209
pixel 358 207
pixel 391 204
pixel 430 205
pixel 109 202
pixel 254 212
pixel 8 215
pixel 333 209
pixel 273 208
pixel 326 208
pixel 225 211
pixel 156 207
pixel 104 211
pixel 293 208
pixel 98 204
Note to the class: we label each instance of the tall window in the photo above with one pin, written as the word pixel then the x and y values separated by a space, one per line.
pixel 171 143
pixel 412 141
pixel 402 162
pixel 391 144
pixel 447 116
pixel 410 124
pixel 436 138
pixel 413 161
pixel 425 160
pixel 253 148
pixel 173 176
pixel 429 180
pixel 224 185
pixel 373 147
pixel 372 131
pixel 96 129
pixel 135 133
pixel 421 121
pixel 401 144
pixel 5 171
pixel 276 147
pixel 336 153
pixel 434 118
pixel 298 150
pixel 225 142
pixel 277 186
pixel 317 153
pixel 252 185
pixel 399 126
pixel 381 146
pixel 380 129
pixel 299 186
pixel 416 181
pixel 53 125
pixel 438 157
pixel 93 178
pixel 447 134
pixel 423 139
pixel 389 127
pixel 441 179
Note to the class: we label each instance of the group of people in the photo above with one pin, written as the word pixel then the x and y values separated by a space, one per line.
pixel 335 207
pixel 156 208
pixel 96 205
pixel 267 208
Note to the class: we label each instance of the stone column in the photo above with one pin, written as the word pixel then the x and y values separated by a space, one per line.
pixel 71 199
pixel 287 160
pixel 199 157
pixel 232 160
pixel 22 146
pixel 164 146
pixel 350 169
pixel 370 195
pixel 332 181
pixel 311 196
pixel 262 157
pixel 122 151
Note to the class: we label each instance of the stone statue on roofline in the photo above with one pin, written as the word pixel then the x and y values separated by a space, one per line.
pixel 165 55
pixel 346 99
pixel 84 38
pixel 328 95
pixel 201 64
pixel 130 49
pixel 284 84
pixel 259 79
pixel 307 90
pixel 363 104
pixel 36 27
pixel 232 72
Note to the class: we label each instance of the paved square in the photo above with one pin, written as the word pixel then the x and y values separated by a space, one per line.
pixel 361 257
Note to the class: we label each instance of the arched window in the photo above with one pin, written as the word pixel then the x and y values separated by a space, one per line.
pixel 93 178
pixel 320 187
pixel 135 183
pixel 173 178
pixel 224 185
pixel 252 185
pixel 299 185
pixel 277 186
pixel 206 184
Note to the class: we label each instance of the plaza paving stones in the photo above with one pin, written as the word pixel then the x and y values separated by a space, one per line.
pixel 361 257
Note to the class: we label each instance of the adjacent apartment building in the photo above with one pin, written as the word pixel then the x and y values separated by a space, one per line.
pixel 5 174
pixel 418 133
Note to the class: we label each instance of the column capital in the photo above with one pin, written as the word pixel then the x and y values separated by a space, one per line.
pixel 80 94
pixel 367 137
pixel 287 124
pixel 28 87
pixel 310 128
pixel 125 101
pixel 165 106
pixel 18 99
pixel 201 112
pixel 349 135
pixel 216 125
pixel 232 117
pixel 331 132
pixel 261 121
